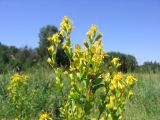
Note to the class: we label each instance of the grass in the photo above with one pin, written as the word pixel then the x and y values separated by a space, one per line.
pixel 144 106
pixel 39 96
pixel 146 103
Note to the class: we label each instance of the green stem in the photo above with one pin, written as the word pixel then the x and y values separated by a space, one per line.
pixel 99 114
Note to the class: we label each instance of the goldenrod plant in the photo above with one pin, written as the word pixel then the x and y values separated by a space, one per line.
pixel 45 116
pixel 93 91
pixel 17 90
pixel 17 85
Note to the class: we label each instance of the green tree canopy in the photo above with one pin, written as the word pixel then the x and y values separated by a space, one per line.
pixel 129 62
pixel 150 67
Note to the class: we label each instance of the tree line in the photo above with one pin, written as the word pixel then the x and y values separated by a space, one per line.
pixel 20 59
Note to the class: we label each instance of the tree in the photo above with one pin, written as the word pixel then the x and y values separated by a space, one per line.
pixel 128 62
pixel 150 67
pixel 131 63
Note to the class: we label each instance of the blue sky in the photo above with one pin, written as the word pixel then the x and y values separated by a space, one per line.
pixel 128 26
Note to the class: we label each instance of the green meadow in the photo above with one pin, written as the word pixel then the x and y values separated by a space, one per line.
pixel 41 96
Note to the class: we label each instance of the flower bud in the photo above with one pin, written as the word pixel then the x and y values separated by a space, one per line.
pixel 62 32
pixel 85 43
pixel 109 106
pixel 51 49
pixel 49 60
pixel 98 36
pixel 64 47
pixel 66 19
pixel 130 93
pixel 94 29
pixel 49 38
pixel 88 34
pixel 111 88
pixel 65 73
pixel 69 29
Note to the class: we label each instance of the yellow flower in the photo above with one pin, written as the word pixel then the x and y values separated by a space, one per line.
pixel 118 77
pixel 130 93
pixel 102 118
pixel 94 28
pixel 62 32
pixel 56 39
pixel 62 26
pixel 49 60
pixel 64 46
pixel 99 49
pixel 112 98
pixel 45 116
pixel 115 62
pixel 16 77
pixel 55 36
pixel 77 49
pixel 122 87
pixel 69 29
pixel 93 118
pixel 93 49
pixel 130 79
pixel 109 106
pixel 49 38
pixel 51 49
pixel 107 77
pixel 66 19
pixel 111 87
pixel 65 73
pixel 88 34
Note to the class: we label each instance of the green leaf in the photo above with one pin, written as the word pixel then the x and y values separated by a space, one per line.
pixel 97 87
pixel 97 80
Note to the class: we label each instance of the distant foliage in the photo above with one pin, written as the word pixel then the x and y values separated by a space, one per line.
pixel 19 59
pixel 150 67
pixel 25 58
pixel 128 62
pixel 12 58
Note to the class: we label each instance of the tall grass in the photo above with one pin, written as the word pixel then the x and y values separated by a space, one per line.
pixel 146 103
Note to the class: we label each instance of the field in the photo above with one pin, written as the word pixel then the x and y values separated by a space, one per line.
pixel 41 97
pixel 145 105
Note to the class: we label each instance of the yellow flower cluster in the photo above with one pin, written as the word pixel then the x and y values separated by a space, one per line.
pixel 65 26
pixel 130 80
pixel 65 30
pixel 45 116
pixel 17 88
pixel 87 75
pixel 115 62
pixel 55 39
pixel 17 79
pixel 120 91
pixel 83 60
